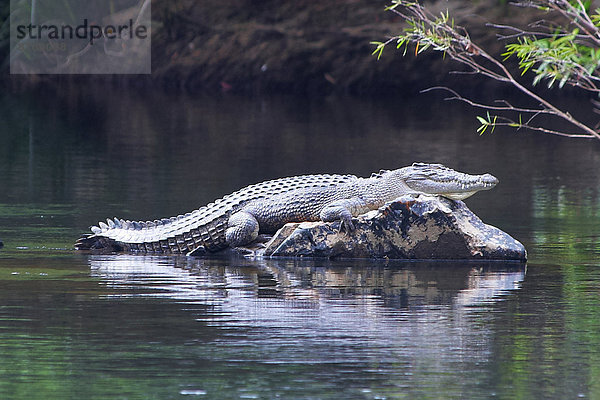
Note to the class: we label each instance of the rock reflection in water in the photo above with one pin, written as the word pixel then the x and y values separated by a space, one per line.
pixel 397 285
pixel 249 291
pixel 392 325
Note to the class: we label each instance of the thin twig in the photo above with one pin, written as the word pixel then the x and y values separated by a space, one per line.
pixel 506 107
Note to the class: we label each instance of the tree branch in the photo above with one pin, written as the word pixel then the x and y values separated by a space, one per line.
pixel 425 30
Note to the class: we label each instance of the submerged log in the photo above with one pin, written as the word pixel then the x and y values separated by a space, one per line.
pixel 411 227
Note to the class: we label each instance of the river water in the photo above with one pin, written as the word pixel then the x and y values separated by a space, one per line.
pixel 138 327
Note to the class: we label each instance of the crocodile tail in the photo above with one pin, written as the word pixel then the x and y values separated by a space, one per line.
pixel 97 242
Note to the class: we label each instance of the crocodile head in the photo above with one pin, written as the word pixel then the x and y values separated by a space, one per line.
pixel 440 180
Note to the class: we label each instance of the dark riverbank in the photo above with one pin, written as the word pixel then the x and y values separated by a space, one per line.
pixel 295 47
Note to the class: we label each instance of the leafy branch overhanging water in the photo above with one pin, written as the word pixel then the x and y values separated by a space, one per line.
pixel 563 54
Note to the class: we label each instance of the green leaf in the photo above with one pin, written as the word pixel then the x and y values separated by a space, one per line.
pixel 379 50
pixel 482 120
pixel 563 81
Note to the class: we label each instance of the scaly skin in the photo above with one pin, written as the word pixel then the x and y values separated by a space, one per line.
pixel 238 218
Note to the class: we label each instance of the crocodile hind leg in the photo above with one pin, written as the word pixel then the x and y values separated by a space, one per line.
pixel 343 211
pixel 242 228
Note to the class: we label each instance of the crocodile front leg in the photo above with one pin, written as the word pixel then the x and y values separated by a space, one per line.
pixel 344 210
pixel 242 228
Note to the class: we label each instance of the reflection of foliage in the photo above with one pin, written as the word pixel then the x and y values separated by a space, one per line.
pixel 550 332
pixel 582 321
pixel 561 217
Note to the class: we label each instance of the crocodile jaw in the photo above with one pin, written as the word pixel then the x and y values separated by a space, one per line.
pixel 459 196
pixel 443 181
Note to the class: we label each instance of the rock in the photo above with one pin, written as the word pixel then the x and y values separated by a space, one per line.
pixel 411 227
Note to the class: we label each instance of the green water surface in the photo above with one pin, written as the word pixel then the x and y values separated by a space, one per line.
pixel 78 326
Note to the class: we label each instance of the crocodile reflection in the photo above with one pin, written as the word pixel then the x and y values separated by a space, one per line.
pixel 400 319
pixel 400 285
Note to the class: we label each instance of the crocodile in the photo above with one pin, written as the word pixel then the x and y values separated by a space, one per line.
pixel 237 219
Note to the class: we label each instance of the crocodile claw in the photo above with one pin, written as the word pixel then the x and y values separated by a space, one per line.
pixel 346 225
pixel 198 251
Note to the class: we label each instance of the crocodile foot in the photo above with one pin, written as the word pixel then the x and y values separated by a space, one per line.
pixel 261 239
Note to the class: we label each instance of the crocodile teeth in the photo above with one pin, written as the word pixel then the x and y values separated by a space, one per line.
pixel 136 225
pixel 103 226
pixel 110 223
pixel 117 223
pixel 96 230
